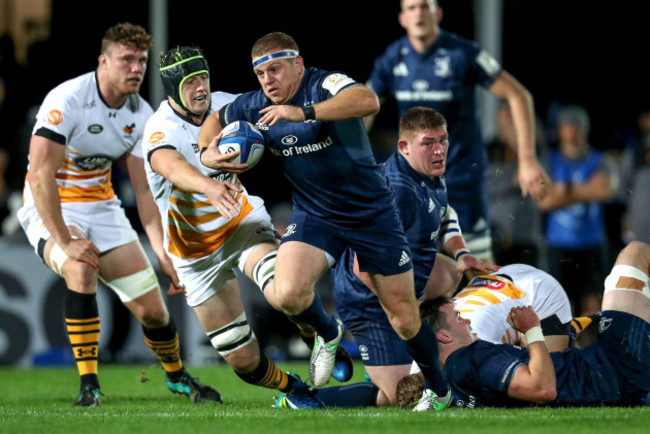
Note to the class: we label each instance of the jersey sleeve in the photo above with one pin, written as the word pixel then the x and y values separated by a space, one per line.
pixel 145 114
pixel 483 66
pixel 334 83
pixel 159 134
pixel 58 116
pixel 406 200
pixel 232 111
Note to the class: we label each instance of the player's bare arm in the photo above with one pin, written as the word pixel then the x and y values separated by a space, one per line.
pixel 353 102
pixel 210 129
pixel 536 381
pixel 533 179
pixel 151 222
pixel 45 158
pixel 177 170
pixel 465 261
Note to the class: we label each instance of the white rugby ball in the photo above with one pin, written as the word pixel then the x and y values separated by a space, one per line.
pixel 242 136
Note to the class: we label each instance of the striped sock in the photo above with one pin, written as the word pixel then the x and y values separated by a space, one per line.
pixel 268 375
pixel 82 322
pixel 164 343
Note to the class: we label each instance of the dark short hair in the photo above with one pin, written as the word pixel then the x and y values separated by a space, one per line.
pixel 419 119
pixel 430 312
pixel 129 34
pixel 273 41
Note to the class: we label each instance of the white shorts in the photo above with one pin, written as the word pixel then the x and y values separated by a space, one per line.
pixel 545 293
pixel 204 277
pixel 104 223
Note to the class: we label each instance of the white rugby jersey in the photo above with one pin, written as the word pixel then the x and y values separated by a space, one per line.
pixel 94 135
pixel 487 300
pixel 194 227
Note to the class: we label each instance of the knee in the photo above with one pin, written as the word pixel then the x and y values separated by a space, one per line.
pixel 152 316
pixel 79 276
pixel 638 248
pixel 245 360
pixel 291 298
pixel 405 323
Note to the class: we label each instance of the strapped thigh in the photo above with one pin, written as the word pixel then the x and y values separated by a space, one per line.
pixel 233 336
pixel 627 278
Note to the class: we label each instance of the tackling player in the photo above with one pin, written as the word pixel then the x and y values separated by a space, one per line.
pixel 212 225
pixel 416 175
pixel 312 118
pixel 613 370
pixel 75 222
pixel 487 300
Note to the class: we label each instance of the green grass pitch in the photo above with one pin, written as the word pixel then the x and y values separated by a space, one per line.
pixel 137 401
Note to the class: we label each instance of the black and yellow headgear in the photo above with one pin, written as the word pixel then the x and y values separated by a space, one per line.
pixel 177 65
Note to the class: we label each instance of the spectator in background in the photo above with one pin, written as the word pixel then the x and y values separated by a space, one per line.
pixel 635 179
pixel 515 221
pixel 583 179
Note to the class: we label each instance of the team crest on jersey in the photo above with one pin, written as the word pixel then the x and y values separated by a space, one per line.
pixel 432 205
pixel 604 324
pixel 128 129
pixel 92 162
pixel 55 117
pixel 442 212
pixel 289 140
pixel 442 66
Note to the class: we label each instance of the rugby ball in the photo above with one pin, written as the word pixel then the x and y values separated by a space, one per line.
pixel 242 136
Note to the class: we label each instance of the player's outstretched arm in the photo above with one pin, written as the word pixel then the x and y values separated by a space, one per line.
pixel 536 381
pixel 533 179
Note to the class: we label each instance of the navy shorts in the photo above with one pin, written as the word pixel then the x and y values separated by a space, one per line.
pixel 625 339
pixel 381 245
pixel 378 343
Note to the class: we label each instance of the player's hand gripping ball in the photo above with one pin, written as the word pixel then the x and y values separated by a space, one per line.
pixel 242 136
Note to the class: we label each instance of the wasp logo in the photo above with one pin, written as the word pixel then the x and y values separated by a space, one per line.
pixel 129 128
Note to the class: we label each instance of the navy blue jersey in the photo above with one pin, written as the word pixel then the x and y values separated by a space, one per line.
pixel 330 165
pixel 613 370
pixel 422 204
pixel 443 78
